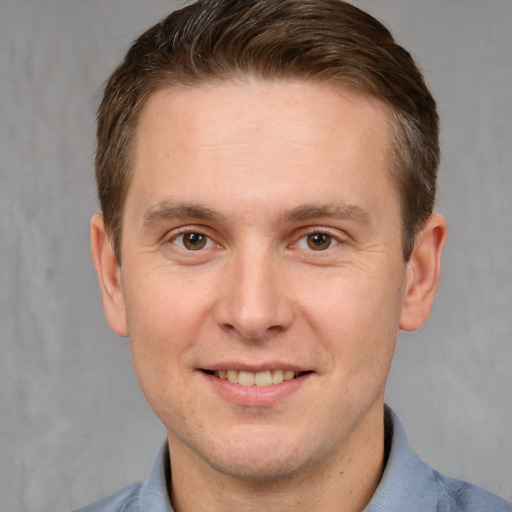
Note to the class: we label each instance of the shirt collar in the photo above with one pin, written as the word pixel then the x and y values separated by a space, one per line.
pixel 154 493
pixel 407 483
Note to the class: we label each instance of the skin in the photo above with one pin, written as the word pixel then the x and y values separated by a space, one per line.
pixel 256 168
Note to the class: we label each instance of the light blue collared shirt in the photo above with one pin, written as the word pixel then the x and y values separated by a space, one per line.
pixel 407 485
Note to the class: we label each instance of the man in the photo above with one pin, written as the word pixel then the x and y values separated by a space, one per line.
pixel 267 173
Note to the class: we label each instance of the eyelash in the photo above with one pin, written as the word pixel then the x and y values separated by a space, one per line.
pixel 302 242
pixel 208 242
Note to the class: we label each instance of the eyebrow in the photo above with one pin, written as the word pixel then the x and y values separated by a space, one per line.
pixel 339 210
pixel 166 210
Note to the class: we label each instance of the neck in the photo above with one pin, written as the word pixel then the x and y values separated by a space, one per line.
pixel 343 483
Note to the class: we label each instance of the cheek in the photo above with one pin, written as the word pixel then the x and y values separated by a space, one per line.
pixel 163 304
pixel 163 323
pixel 356 319
pixel 165 317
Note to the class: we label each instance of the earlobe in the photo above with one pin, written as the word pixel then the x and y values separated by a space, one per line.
pixel 109 275
pixel 422 273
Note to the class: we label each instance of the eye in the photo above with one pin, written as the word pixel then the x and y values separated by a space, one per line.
pixel 317 241
pixel 192 241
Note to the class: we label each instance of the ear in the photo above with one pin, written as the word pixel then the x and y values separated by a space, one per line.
pixel 109 275
pixel 422 273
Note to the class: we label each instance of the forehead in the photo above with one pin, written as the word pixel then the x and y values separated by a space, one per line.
pixel 250 102
pixel 249 135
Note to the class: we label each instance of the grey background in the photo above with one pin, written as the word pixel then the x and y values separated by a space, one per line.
pixel 73 424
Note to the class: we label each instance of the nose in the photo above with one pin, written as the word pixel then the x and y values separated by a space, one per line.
pixel 254 300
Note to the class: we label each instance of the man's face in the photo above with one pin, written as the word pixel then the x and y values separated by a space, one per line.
pixel 262 240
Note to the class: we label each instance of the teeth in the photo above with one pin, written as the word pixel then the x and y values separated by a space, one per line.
pixel 246 378
pixel 277 376
pixel 232 376
pixel 265 378
pixel 288 375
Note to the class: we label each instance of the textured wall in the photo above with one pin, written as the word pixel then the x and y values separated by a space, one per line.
pixel 73 423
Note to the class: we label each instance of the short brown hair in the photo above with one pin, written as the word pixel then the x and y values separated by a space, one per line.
pixel 314 40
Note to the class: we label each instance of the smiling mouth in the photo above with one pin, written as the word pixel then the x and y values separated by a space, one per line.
pixel 264 378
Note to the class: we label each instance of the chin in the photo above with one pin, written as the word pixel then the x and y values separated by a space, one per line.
pixel 262 470
pixel 261 458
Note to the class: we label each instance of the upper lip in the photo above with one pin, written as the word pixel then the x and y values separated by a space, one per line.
pixel 260 367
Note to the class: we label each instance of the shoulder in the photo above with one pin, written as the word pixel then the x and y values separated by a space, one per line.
pixel 459 496
pixel 148 495
pixel 408 483
pixel 125 500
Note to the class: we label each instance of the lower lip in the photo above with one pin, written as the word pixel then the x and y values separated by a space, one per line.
pixel 256 396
